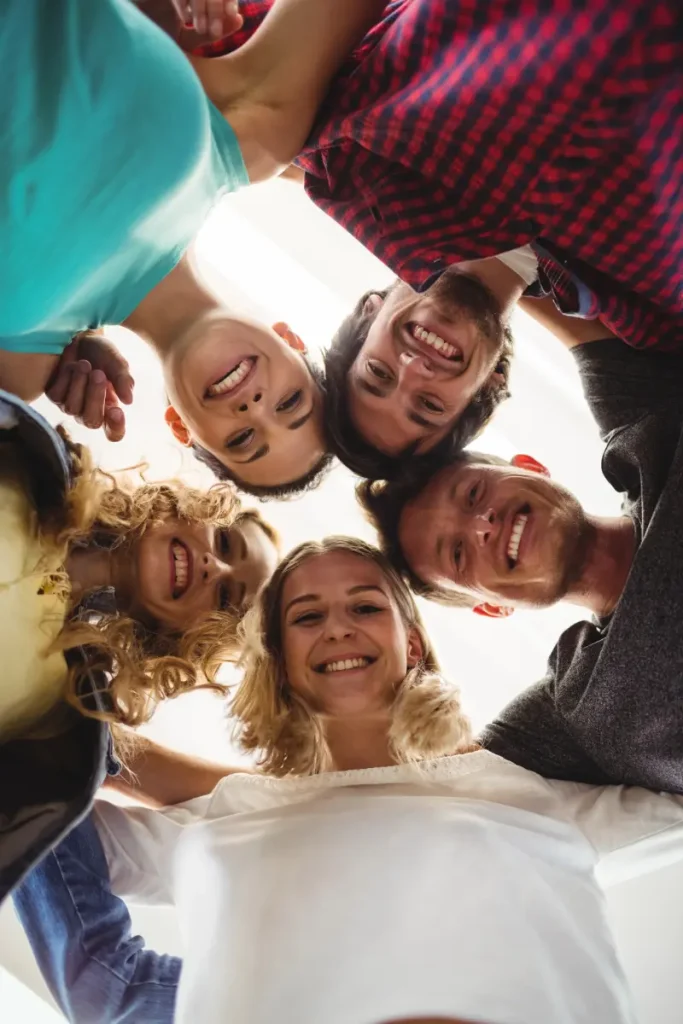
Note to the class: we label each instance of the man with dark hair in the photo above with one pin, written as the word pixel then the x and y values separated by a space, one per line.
pixel 502 126
pixel 492 535
pixel 417 376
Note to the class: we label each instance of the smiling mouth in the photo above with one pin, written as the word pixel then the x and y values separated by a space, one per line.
pixel 233 379
pixel 181 564
pixel 344 665
pixel 435 342
pixel 516 533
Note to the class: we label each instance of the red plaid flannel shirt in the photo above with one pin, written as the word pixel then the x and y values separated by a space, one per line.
pixel 464 129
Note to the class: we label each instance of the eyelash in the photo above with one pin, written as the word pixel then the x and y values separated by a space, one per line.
pixel 377 372
pixel 224 599
pixel 430 406
pixel 309 618
pixel 223 543
pixel 241 440
pixel 290 403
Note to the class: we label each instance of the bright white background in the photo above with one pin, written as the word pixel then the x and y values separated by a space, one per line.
pixel 273 255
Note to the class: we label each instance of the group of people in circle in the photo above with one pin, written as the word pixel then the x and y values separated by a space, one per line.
pixel 380 863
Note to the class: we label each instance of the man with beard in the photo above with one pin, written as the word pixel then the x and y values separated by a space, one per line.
pixel 491 535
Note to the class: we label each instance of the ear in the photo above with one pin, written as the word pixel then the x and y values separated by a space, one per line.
pixel 178 428
pixel 415 648
pixel 529 463
pixel 493 611
pixel 372 304
pixel 288 335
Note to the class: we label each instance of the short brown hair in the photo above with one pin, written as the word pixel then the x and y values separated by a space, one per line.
pixel 349 445
pixel 383 503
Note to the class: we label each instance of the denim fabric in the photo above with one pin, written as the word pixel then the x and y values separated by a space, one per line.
pixel 80 934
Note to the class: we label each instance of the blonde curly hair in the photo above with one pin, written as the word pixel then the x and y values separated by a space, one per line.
pixel 279 725
pixel 145 665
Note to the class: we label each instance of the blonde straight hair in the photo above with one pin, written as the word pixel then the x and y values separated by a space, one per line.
pixel 287 735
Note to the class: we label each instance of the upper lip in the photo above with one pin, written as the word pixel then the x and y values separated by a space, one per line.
pixel 245 380
pixel 427 351
pixel 318 666
pixel 506 531
pixel 190 566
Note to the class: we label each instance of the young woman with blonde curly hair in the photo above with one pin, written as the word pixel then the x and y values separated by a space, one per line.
pixel 379 868
pixel 153 578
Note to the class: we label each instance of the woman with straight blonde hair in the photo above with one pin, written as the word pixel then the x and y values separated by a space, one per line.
pixel 378 868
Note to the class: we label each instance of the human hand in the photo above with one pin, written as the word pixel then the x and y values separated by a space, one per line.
pixel 90 381
pixel 217 18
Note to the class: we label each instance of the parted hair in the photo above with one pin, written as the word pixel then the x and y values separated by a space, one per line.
pixel 278 724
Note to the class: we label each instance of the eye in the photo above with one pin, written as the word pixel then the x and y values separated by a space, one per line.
pixel 291 402
pixel 378 371
pixel 225 602
pixel 223 543
pixel 240 440
pixel 307 618
pixel 431 406
pixel 474 494
pixel 367 609
pixel 457 555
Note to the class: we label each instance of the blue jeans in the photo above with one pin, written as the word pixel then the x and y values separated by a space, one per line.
pixel 80 934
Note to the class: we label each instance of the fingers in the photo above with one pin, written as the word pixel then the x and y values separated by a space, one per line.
pixel 216 18
pixel 114 417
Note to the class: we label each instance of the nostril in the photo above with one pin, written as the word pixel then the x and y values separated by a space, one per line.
pixel 257 396
pixel 242 408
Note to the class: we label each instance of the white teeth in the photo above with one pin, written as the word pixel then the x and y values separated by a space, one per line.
pixel 231 380
pixel 434 340
pixel 180 565
pixel 516 536
pixel 348 663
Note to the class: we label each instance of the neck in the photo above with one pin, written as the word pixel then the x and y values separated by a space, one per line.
pixel 609 556
pixel 88 569
pixel 359 742
pixel 507 286
pixel 171 308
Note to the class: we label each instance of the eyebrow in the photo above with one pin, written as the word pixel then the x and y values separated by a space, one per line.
pixel 371 389
pixel 413 416
pixel 316 597
pixel 302 419
pixel 257 455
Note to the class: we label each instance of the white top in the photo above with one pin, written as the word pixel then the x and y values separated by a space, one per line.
pixel 523 261
pixel 462 888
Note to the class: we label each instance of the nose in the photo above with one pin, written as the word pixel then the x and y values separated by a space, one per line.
pixel 213 569
pixel 251 402
pixel 338 627
pixel 414 367
pixel 484 523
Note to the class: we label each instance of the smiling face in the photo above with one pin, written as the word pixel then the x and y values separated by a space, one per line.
pixel 425 357
pixel 245 394
pixel 346 647
pixel 179 572
pixel 496 533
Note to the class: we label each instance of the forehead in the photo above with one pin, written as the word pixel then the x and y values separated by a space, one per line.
pixel 332 572
pixel 253 530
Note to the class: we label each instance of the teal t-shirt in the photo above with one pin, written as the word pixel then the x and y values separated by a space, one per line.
pixel 111 157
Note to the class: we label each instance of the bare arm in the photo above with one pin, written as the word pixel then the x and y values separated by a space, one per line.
pixel 159 777
pixel 270 89
pixel 26 374
pixel 569 330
